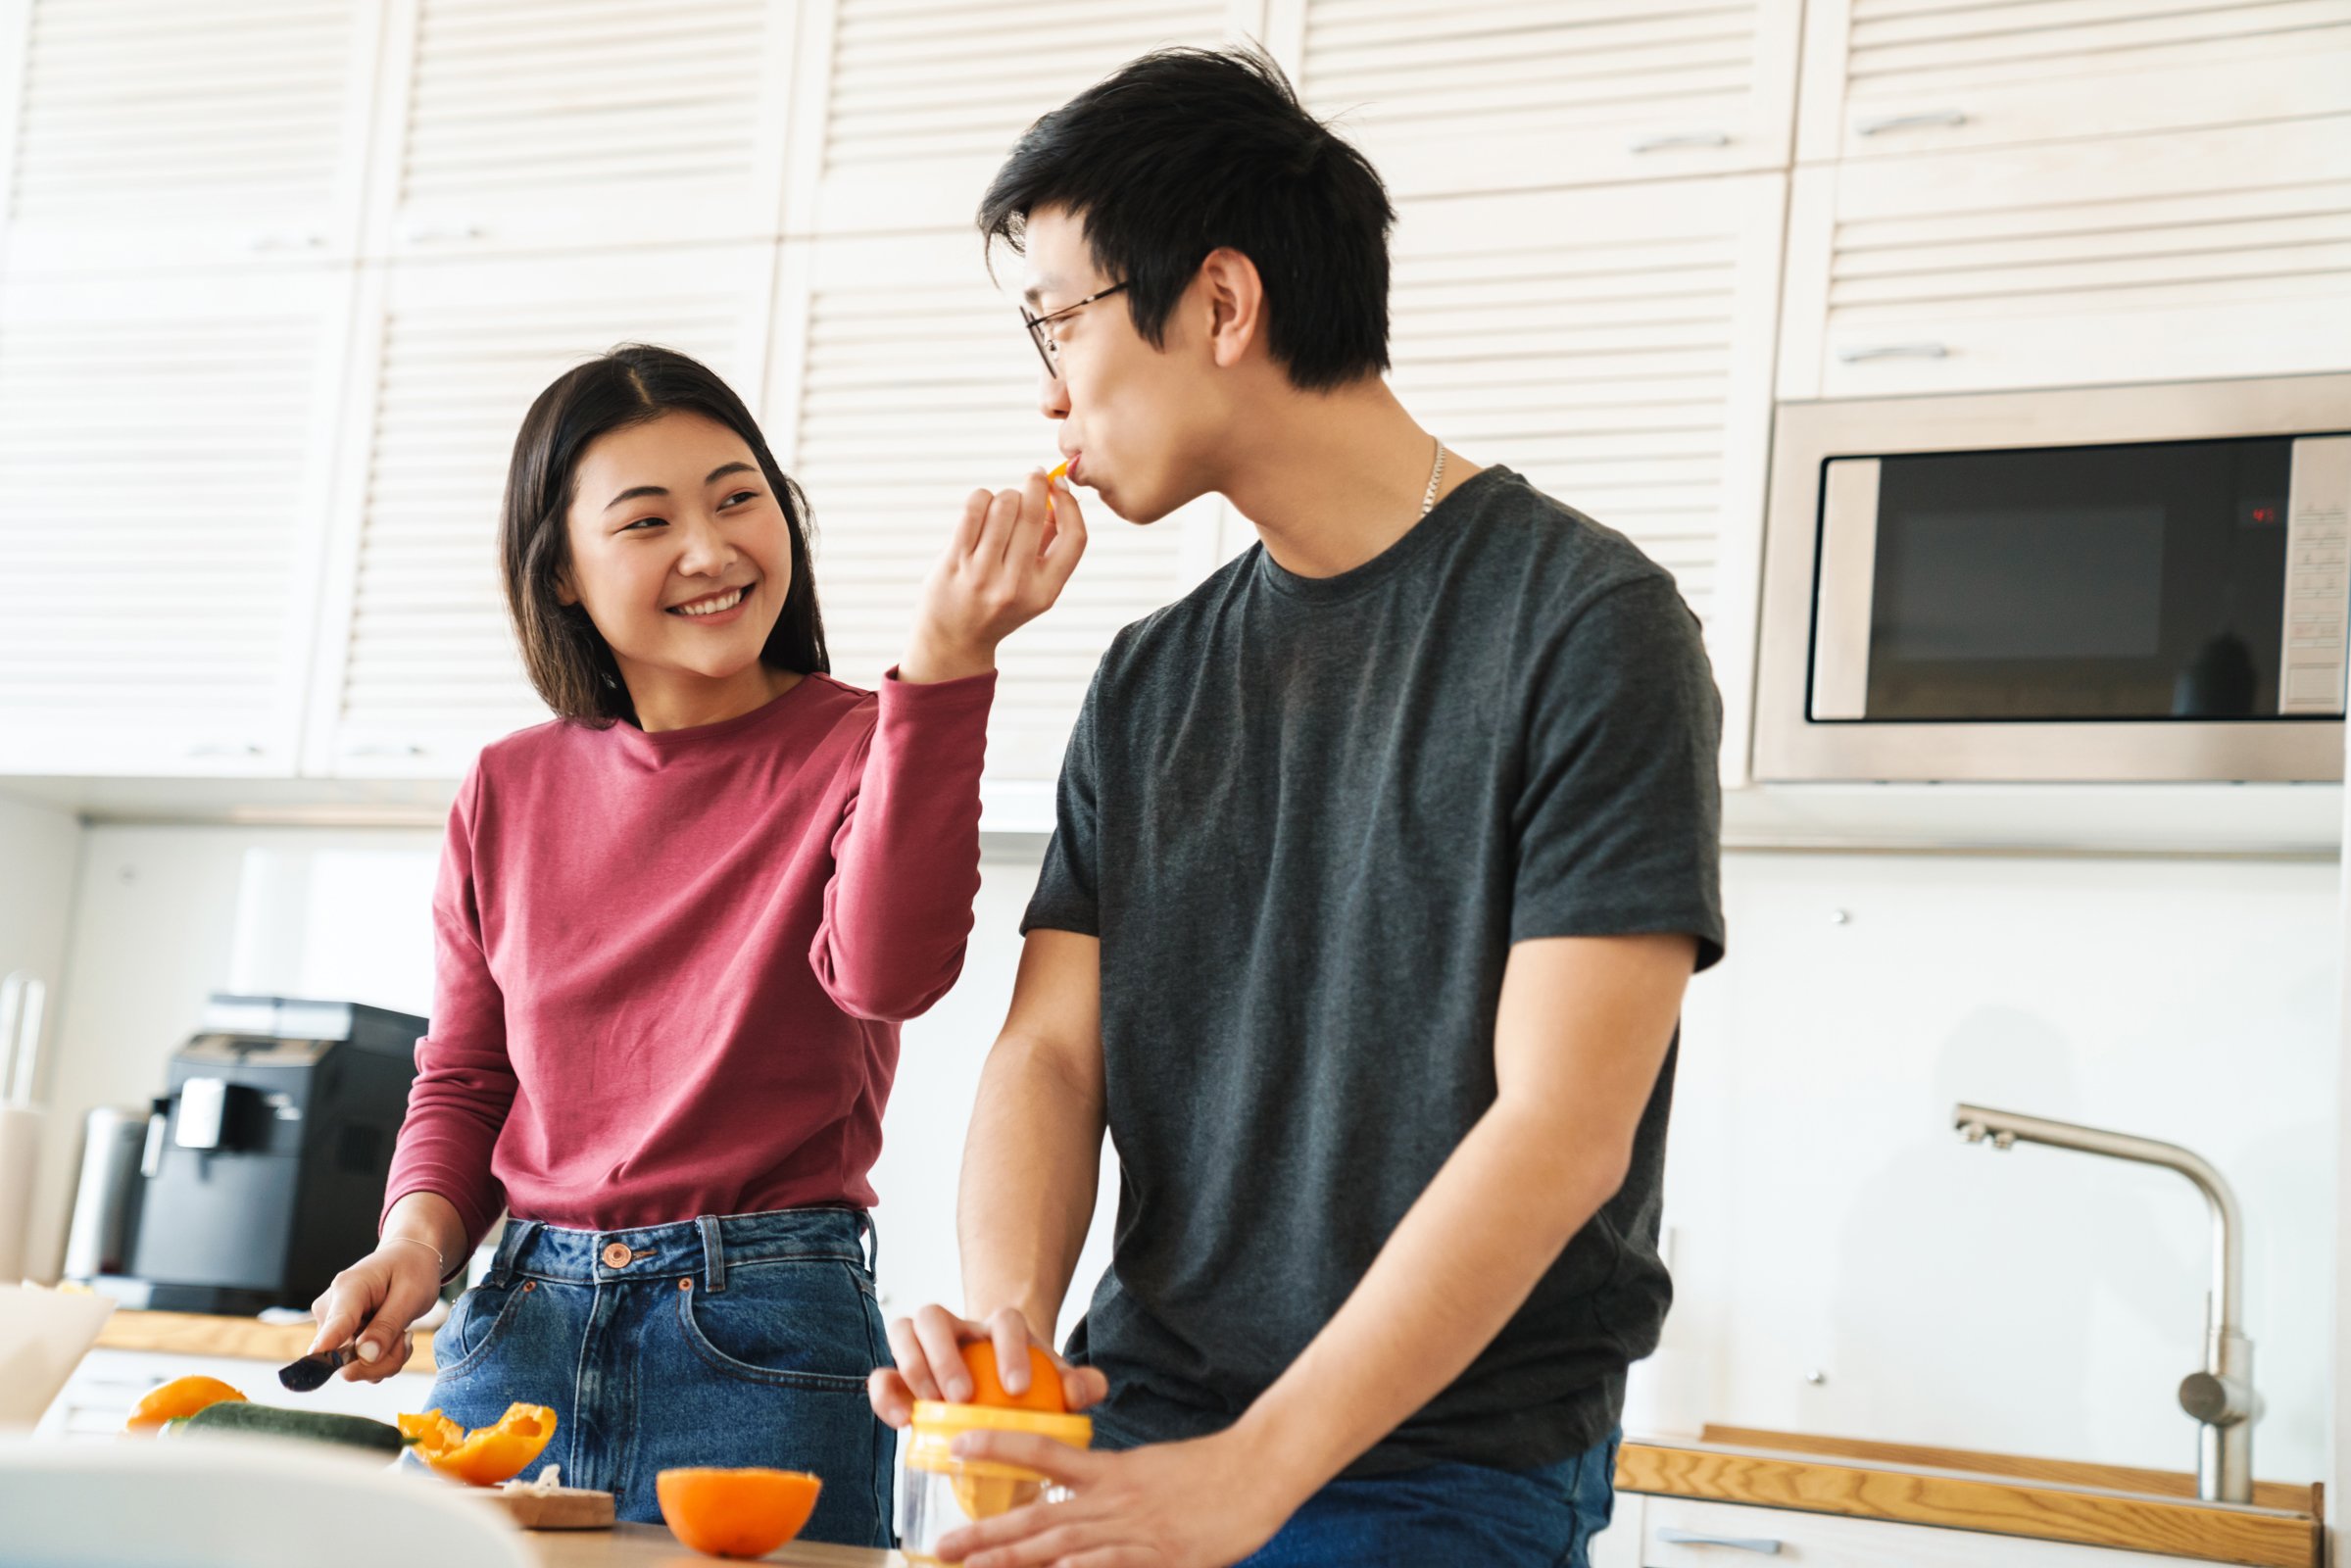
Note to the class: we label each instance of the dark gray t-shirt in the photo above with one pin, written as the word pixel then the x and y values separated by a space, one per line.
pixel 1307 817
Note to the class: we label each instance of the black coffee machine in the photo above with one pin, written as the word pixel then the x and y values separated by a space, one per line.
pixel 265 1165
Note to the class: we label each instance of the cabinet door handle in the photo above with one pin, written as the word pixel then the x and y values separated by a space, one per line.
pixel 1886 123
pixel 1688 138
pixel 1696 1537
pixel 1895 351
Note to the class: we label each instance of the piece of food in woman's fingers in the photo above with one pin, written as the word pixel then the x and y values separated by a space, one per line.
pixel 1053 476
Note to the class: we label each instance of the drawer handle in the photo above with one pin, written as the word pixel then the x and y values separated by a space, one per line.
pixel 1895 351
pixel 1886 123
pixel 1688 138
pixel 1693 1538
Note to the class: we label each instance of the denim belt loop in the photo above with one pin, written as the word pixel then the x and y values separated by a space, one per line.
pixel 713 1255
pixel 873 1238
pixel 510 1243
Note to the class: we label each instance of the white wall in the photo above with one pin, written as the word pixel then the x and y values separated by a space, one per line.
pixel 2039 1301
pixel 1824 1219
pixel 168 915
pixel 38 849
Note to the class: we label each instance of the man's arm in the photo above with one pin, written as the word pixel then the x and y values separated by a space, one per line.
pixel 1033 1160
pixel 1031 1164
pixel 1580 1032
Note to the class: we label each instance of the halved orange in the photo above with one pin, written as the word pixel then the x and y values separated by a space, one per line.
pixel 736 1514
pixel 1044 1381
pixel 177 1397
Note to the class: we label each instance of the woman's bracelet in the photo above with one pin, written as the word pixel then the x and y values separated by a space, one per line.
pixel 418 1240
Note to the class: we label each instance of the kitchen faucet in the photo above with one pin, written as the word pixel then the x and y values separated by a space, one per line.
pixel 2221 1397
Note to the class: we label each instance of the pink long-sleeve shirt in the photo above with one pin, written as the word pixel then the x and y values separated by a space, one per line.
pixel 670 968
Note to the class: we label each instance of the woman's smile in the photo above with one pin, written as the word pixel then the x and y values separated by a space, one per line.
pixel 722 608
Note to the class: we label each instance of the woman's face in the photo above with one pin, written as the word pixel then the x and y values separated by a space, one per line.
pixel 679 550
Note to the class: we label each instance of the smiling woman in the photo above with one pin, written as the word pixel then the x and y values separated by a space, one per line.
pixel 677 929
pixel 642 496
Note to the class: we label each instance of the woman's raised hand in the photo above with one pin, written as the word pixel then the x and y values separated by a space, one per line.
pixel 1005 565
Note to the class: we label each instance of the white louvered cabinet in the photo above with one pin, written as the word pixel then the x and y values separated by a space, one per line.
pixel 2186 254
pixel 1614 345
pixel 164 452
pixel 417 665
pixel 1446 98
pixel 906 108
pixel 553 124
pixel 904 381
pixel 151 134
pixel 1891 77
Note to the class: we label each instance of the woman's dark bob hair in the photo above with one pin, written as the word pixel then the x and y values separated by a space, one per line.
pixel 567 657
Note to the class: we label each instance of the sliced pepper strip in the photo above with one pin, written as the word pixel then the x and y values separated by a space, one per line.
pixel 486 1455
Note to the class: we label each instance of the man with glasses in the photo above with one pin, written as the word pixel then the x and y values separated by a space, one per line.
pixel 1381 863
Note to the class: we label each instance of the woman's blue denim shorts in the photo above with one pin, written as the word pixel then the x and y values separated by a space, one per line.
pixel 728 1340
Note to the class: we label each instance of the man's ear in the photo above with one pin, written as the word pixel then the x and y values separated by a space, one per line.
pixel 1236 299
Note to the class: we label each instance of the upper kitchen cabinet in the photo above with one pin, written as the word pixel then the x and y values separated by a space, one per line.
pixel 904 109
pixel 163 448
pixel 903 382
pixel 417 665
pixel 1446 98
pixel 1891 77
pixel 2186 255
pixel 1614 345
pixel 153 134
pixel 560 125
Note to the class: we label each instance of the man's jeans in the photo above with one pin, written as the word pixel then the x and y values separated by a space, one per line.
pixel 1448 1514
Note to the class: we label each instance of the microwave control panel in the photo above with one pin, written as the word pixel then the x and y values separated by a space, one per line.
pixel 2317 567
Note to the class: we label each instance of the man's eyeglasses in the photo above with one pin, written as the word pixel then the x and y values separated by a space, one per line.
pixel 1047 349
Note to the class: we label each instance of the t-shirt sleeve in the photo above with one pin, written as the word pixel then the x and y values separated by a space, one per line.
pixel 1618 822
pixel 1065 898
pixel 464 1085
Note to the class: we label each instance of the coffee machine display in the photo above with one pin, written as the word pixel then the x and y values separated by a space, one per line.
pixel 263 1166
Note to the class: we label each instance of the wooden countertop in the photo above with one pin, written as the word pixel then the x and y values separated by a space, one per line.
pixel 653 1547
pixel 249 1339
pixel 2044 1499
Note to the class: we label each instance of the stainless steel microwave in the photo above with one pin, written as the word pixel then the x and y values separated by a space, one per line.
pixel 2092 584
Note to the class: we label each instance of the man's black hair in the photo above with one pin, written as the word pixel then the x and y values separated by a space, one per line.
pixel 1185 150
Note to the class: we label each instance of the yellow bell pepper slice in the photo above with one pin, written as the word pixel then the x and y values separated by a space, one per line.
pixel 486 1455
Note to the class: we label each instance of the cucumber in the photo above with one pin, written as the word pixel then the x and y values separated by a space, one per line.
pixel 310 1426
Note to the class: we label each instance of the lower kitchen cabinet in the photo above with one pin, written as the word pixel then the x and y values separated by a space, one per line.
pixel 98 1398
pixel 1685 1533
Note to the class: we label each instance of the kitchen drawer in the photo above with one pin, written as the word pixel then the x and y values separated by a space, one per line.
pixel 98 1397
pixel 1685 1533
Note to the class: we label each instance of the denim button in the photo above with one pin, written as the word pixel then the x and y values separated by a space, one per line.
pixel 617 1254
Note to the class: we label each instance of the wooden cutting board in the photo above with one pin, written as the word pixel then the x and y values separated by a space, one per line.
pixel 557 1508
